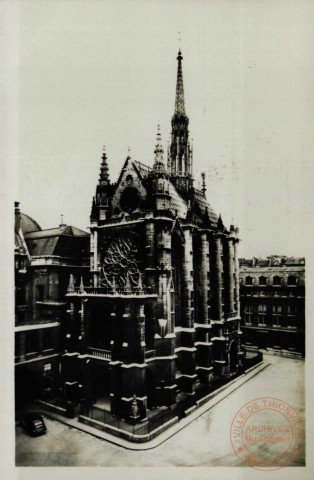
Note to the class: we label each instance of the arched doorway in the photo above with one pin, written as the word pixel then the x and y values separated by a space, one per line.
pixel 233 355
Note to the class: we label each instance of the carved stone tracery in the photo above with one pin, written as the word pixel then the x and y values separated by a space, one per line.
pixel 121 262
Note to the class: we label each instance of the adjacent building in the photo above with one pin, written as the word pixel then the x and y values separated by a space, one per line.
pixel 273 304
pixel 162 315
pixel 44 260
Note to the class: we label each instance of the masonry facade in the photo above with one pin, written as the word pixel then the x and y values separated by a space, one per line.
pixel 161 312
pixel 273 304
pixel 44 259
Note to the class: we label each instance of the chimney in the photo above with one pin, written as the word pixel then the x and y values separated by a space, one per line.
pixel 17 216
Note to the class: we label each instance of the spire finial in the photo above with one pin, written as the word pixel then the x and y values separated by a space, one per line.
pixel 104 170
pixel 220 225
pixel 179 105
pixel 82 289
pixel 71 288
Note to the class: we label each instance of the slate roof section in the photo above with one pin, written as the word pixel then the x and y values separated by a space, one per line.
pixel 63 230
pixel 201 203
pixel 42 246
pixel 28 224
pixel 53 241
pixel 177 204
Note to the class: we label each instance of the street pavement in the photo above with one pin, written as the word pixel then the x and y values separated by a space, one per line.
pixel 205 442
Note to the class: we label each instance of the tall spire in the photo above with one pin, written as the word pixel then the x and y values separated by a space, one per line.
pixel 179 105
pixel 104 170
pixel 180 154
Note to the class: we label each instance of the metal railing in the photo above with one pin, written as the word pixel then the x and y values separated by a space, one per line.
pixel 98 352
pixel 116 291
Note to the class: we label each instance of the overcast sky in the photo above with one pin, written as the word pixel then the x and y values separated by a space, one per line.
pixel 94 73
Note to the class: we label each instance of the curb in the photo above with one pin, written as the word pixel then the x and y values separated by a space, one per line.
pixel 220 394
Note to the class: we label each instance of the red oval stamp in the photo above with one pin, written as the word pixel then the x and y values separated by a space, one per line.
pixel 267 434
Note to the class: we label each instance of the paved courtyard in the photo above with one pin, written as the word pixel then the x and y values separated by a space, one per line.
pixel 205 442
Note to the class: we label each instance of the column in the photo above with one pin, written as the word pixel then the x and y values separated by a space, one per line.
pixel 70 341
pixel 164 274
pixel 218 279
pixel 82 326
pixel 230 297
pixel 134 367
pixel 204 277
pixel 150 254
pixel 187 350
pixel 236 268
pixel 164 339
pixel 94 256
pixel 188 280
pixel 219 341
pixel 203 330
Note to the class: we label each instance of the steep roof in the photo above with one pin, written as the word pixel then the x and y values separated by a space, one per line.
pixel 201 204
pixel 47 242
pixel 61 230
pixel 28 224
pixel 178 204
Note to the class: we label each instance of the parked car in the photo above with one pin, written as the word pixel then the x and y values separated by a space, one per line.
pixel 33 424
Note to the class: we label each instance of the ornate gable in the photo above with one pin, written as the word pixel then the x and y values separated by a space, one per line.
pixel 130 195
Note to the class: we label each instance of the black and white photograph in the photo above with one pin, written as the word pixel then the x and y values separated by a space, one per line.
pixel 158 176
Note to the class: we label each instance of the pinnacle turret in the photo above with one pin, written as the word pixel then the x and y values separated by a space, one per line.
pixel 104 170
pixel 159 166
pixel 101 201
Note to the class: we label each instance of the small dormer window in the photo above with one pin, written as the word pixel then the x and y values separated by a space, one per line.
pixel 248 281
pixel 277 280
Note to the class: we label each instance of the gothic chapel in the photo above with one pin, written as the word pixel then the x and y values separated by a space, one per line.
pixel 161 315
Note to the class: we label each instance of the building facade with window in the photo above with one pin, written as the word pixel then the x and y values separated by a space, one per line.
pixel 162 315
pixel 273 304
pixel 44 259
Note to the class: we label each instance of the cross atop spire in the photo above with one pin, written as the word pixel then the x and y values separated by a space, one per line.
pixel 179 105
pixel 104 170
